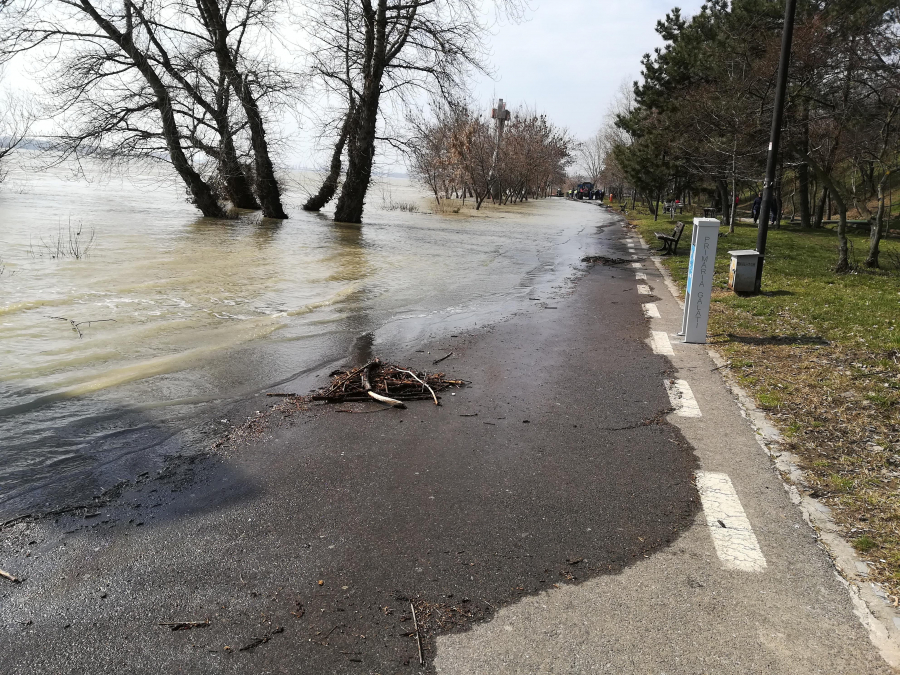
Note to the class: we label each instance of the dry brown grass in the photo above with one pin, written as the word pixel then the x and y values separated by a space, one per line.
pixel 837 408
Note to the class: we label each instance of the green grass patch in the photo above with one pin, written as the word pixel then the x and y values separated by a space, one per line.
pixel 864 544
pixel 860 308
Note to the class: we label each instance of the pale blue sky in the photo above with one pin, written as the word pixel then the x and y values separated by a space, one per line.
pixel 571 56
pixel 567 59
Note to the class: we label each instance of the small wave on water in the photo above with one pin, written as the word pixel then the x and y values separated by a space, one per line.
pixel 170 313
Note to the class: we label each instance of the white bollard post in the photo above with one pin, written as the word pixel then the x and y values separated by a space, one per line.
pixel 704 240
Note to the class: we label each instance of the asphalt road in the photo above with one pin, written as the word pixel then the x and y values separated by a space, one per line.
pixel 305 545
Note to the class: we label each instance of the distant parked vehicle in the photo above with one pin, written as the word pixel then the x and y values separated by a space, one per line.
pixel 584 190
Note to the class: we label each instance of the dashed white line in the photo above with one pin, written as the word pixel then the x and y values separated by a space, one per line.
pixel 672 289
pixel 644 289
pixel 636 265
pixel 682 398
pixel 640 275
pixel 732 535
pixel 659 343
pixel 651 311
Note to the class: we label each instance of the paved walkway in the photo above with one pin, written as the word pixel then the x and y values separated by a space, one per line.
pixel 746 590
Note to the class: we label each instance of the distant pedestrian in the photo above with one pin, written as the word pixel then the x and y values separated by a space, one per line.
pixel 757 205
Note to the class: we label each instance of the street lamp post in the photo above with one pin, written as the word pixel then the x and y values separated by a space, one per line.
pixel 774 138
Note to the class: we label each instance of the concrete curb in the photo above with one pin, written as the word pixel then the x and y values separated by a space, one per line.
pixel 872 605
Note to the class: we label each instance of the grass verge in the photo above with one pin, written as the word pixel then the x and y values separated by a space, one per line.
pixel 820 352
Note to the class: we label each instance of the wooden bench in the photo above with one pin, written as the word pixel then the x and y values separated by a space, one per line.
pixel 670 242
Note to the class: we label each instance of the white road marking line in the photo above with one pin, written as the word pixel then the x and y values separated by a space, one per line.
pixel 659 343
pixel 635 257
pixel 640 275
pixel 651 311
pixel 731 533
pixel 672 289
pixel 631 248
pixel 682 398
pixel 644 289
pixel 636 265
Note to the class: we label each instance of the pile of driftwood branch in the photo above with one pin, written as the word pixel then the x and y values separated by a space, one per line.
pixel 386 383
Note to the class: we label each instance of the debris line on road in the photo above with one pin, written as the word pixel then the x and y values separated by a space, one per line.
pixel 384 382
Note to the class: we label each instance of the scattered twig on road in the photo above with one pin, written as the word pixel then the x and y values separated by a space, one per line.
pixel 273 393
pixel 327 635
pixel 257 641
pixel 7 575
pixel 443 358
pixel 360 412
pixel 384 382
pixel 184 625
pixel 418 637
pixel 390 401
pixel 468 414
pixel 413 376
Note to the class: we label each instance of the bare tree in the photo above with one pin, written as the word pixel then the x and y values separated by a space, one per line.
pixel 16 119
pixel 385 48
pixel 456 151
pixel 157 80
pixel 333 67
pixel 226 25
pixel 591 155
pixel 107 80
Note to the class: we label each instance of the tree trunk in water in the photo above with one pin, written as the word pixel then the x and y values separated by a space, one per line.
pixel 361 148
pixel 236 184
pixel 360 156
pixel 266 186
pixel 329 187
pixel 875 230
pixel 200 190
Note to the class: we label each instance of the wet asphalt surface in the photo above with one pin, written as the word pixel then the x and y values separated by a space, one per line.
pixel 305 544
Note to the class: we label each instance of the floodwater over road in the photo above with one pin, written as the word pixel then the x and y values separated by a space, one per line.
pixel 170 317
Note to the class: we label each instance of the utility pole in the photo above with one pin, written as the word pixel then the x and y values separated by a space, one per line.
pixel 775 138
pixel 502 115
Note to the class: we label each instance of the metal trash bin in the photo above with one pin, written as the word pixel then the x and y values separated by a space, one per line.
pixel 742 274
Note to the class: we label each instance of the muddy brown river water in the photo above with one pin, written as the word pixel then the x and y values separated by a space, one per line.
pixel 170 318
